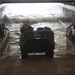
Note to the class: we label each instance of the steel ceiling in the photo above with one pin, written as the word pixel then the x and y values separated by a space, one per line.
pixel 34 1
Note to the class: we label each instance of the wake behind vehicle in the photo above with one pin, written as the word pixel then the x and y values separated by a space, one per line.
pixel 41 40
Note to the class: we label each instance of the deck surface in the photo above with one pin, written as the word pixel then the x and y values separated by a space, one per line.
pixel 38 66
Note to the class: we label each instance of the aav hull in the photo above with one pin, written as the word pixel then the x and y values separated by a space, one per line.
pixel 41 40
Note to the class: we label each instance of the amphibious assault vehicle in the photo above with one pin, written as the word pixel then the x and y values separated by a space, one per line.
pixel 40 40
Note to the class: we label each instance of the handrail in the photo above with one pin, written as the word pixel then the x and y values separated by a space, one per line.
pixel 4 43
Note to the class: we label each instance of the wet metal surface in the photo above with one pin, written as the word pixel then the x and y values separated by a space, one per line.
pixel 39 66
